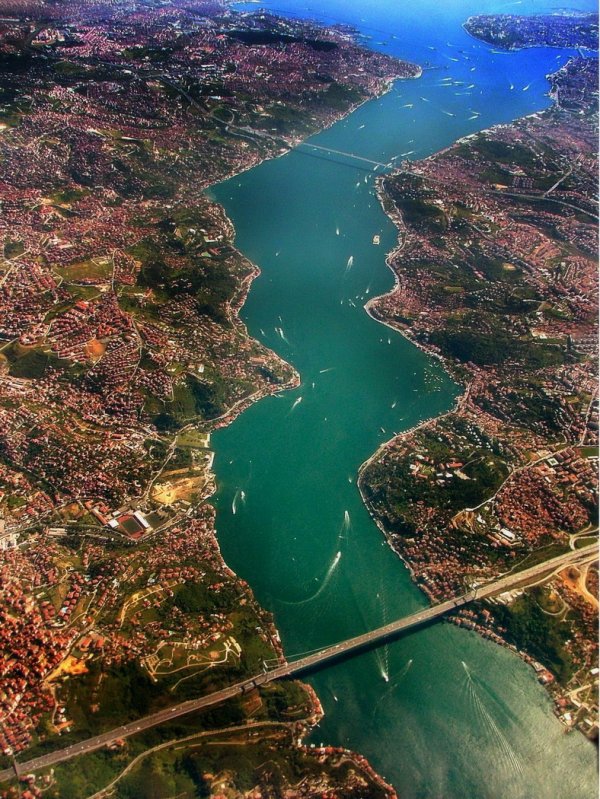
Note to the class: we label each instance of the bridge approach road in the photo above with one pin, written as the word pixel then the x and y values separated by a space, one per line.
pixel 310 662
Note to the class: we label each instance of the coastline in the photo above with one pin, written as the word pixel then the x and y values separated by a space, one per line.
pixel 516 48
pixel 198 361
pixel 243 272
pixel 237 303
pixel 387 84
pixel 552 689
pixel 234 309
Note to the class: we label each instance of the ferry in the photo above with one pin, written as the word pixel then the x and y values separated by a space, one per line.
pixel 377 239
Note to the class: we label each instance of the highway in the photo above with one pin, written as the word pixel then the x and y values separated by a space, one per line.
pixel 313 661
pixel 382 634
pixel 341 152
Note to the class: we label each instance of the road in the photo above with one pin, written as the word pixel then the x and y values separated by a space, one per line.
pixel 341 152
pixel 388 631
pixel 316 660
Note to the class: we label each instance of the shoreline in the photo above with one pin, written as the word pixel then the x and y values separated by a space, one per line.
pixel 458 621
pixel 237 303
pixel 387 85
pixel 234 309
pixel 517 48
pixel 552 689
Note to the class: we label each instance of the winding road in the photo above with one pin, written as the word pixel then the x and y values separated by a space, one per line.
pixel 316 660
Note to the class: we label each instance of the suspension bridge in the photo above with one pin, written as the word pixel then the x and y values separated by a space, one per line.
pixel 312 661
pixel 309 148
pixel 352 156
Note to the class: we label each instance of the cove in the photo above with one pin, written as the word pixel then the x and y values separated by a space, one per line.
pixel 440 712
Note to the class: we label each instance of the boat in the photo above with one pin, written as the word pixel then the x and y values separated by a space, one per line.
pixel 377 239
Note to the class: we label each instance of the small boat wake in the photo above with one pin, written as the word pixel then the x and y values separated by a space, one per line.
pixel 345 526
pixel 397 680
pixel 295 404
pixel 326 580
pixel 281 334
pixel 508 755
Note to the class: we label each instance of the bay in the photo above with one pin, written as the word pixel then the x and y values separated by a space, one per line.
pixel 440 712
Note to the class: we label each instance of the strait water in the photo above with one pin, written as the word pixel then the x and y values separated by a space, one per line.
pixel 441 712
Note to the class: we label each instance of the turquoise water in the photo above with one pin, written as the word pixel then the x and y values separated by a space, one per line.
pixel 441 712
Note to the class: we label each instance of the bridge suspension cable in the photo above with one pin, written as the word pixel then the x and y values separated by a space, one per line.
pixel 345 154
pixel 316 660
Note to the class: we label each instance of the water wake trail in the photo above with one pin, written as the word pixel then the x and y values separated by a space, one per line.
pixel 396 682
pixel 281 334
pixel 326 580
pixel 510 757
pixel 385 649
pixel 296 403
pixel 345 526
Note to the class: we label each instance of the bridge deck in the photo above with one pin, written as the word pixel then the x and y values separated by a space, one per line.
pixel 342 649
pixel 345 154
